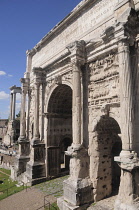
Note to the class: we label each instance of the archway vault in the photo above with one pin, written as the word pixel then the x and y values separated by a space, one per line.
pixel 60 101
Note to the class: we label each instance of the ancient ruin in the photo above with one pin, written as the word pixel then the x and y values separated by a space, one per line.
pixel 13 128
pixel 81 92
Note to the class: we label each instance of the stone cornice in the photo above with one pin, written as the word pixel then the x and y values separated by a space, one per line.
pixel 16 89
pixel 127 26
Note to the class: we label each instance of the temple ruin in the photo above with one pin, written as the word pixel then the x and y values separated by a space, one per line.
pixel 80 106
pixel 13 127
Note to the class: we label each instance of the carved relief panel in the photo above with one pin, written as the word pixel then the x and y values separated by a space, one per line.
pixel 104 81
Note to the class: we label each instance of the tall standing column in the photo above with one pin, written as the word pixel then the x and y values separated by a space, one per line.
pixel 27 115
pixel 23 112
pixel 76 109
pixel 126 96
pixel 13 106
pixel 42 112
pixel 36 113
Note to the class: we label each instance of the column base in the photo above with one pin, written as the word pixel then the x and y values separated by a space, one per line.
pixel 128 196
pixel 78 189
pixel 24 146
pixel 35 172
pixel 63 205
pixel 78 192
pixel 36 169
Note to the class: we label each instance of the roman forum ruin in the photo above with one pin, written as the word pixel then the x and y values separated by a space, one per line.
pixel 12 133
pixel 80 106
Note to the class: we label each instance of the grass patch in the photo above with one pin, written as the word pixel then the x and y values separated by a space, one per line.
pixel 6 171
pixel 7 186
pixel 93 204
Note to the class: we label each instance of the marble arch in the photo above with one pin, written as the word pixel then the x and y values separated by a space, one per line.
pixel 95 49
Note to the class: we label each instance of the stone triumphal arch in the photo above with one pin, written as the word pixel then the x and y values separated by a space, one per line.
pixel 81 91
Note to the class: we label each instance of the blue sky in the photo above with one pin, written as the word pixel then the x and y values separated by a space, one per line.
pixel 22 24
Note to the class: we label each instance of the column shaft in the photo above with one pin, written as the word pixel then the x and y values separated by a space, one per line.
pixel 13 106
pixel 22 115
pixel 27 116
pixel 76 109
pixel 126 95
pixel 36 112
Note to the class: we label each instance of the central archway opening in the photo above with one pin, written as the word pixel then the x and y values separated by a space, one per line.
pixel 109 145
pixel 59 129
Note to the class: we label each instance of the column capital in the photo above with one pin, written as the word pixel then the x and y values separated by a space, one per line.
pixel 76 63
pixel 37 84
pixel 39 75
pixel 123 45
pixel 25 84
pixel 77 50
pixel 24 80
pixel 38 72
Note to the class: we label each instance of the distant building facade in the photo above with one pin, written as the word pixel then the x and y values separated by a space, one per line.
pixel 82 90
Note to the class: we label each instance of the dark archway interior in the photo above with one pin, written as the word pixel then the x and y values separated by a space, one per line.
pixel 64 159
pixel 59 128
pixel 109 146
pixel 61 101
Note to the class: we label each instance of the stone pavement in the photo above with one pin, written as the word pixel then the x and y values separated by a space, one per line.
pixel 30 200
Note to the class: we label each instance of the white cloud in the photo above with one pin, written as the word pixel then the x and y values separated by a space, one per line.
pixel 2 73
pixel 9 75
pixel 3 95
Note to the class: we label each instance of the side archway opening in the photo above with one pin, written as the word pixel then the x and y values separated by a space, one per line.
pixel 109 145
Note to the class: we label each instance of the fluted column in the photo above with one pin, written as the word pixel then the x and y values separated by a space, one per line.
pixel 76 109
pixel 126 95
pixel 36 135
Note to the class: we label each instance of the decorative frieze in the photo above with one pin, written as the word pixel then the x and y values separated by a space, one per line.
pixel 104 68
